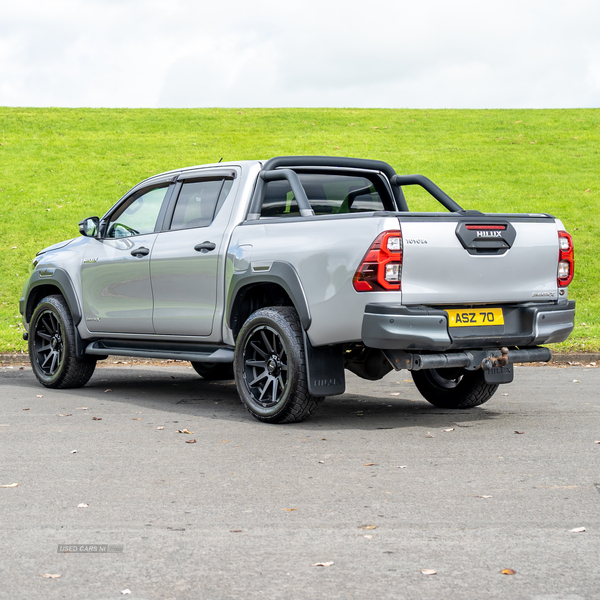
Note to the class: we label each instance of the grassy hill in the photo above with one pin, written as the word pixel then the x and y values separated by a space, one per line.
pixel 58 166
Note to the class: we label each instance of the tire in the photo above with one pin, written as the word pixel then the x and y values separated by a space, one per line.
pixel 270 367
pixel 454 388
pixel 52 346
pixel 214 371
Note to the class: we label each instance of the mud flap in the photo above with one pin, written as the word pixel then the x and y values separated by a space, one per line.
pixel 324 369
pixel 499 374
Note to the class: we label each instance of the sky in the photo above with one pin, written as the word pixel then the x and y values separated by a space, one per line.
pixel 327 53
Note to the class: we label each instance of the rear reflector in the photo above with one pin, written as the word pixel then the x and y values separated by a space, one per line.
pixel 381 268
pixel 566 259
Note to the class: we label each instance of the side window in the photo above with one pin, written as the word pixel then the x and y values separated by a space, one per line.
pixel 199 202
pixel 138 216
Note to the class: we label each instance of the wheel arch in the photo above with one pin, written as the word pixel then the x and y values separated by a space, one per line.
pixel 251 290
pixel 47 282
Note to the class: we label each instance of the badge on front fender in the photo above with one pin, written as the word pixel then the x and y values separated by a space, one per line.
pixel 499 374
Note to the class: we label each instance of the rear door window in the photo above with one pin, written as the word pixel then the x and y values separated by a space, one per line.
pixel 199 202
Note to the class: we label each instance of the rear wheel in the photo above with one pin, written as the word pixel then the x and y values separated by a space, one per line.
pixel 270 367
pixel 214 371
pixel 453 388
pixel 52 346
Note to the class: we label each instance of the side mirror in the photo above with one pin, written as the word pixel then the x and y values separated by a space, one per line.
pixel 89 227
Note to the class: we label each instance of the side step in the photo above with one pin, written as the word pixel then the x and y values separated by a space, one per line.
pixel 162 352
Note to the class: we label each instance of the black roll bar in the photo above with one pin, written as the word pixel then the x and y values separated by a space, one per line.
pixel 292 178
pixel 427 184
pixel 275 170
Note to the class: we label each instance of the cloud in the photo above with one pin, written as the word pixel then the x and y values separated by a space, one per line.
pixel 386 53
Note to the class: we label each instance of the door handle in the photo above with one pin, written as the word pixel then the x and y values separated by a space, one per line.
pixel 139 252
pixel 205 247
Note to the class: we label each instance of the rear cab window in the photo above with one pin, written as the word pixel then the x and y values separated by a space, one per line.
pixel 329 194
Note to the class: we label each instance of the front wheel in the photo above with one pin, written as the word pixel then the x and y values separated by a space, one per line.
pixel 52 346
pixel 454 388
pixel 270 367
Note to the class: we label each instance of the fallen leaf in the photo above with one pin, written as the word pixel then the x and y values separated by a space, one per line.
pixel 370 465
pixel 138 419
pixel 97 418
pixel 321 462
pixel 9 485
pixel 428 571
pixel 429 434
pixel 82 408
pixel 236 530
pixel 290 509
pixel 482 496
pixel 26 409
pixel 82 505
pixel 67 415
pixel 508 572
pixel 519 432
pixel 160 428
pixel 368 526
pixel 223 441
pixel 577 530
pixel 323 564
pixel 50 575
pixel 184 431
pixel 108 390
pixel 191 442
pixel 73 451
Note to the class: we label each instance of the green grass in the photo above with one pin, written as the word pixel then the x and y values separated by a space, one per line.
pixel 60 165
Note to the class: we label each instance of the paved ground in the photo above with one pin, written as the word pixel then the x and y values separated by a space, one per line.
pixel 378 483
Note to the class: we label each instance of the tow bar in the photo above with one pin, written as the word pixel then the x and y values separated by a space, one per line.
pixel 496 364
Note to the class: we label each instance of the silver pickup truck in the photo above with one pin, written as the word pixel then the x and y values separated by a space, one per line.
pixel 283 273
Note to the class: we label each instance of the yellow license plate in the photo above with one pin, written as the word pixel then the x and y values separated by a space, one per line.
pixel 475 317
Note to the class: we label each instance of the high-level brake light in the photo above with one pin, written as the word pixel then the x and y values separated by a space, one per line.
pixel 566 260
pixel 381 268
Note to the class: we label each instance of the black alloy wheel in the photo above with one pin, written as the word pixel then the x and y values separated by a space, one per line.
pixel 270 367
pixel 52 347
pixel 48 342
pixel 265 366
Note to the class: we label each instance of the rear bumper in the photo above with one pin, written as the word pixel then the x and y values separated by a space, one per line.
pixel 398 327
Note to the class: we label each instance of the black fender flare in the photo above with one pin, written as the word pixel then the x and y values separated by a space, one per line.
pixel 58 278
pixel 280 273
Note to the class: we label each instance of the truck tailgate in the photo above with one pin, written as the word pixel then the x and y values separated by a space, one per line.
pixel 517 263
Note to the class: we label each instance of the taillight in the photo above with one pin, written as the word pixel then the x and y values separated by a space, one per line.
pixel 566 261
pixel 381 268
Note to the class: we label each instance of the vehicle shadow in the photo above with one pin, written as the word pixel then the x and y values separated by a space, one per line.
pixel 181 392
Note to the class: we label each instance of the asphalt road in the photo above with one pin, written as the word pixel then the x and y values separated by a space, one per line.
pixel 379 483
